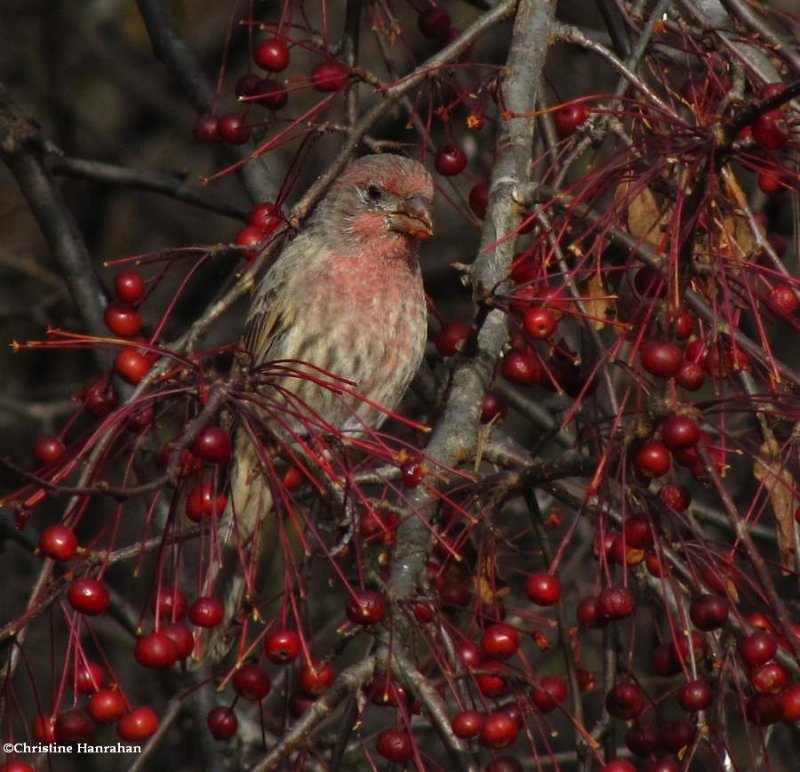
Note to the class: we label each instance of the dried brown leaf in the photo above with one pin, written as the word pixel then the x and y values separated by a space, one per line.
pixel 649 215
pixel 598 303
pixel 770 470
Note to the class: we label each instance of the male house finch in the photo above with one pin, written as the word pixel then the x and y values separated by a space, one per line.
pixel 345 297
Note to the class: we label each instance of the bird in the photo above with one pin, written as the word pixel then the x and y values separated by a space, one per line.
pixel 345 299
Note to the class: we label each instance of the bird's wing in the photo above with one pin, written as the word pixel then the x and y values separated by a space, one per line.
pixel 269 320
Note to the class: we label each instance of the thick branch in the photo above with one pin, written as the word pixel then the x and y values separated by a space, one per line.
pixel 21 149
pixel 455 436
pixel 182 64
pixel 172 185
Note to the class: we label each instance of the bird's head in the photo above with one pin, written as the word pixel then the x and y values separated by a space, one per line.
pixel 384 201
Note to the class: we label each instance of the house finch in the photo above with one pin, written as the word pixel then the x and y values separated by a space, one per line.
pixel 345 297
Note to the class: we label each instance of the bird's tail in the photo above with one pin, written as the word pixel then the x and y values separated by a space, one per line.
pixel 247 531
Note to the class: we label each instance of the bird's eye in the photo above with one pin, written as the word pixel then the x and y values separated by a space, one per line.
pixel 374 193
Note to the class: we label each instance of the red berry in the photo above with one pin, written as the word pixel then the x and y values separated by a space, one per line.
pixel 500 641
pixel 170 603
pixel 434 23
pixel 616 602
pixel 675 497
pixel 122 319
pixel 570 118
pixel 282 646
pixel 492 683
pixel 521 367
pixel 757 648
pixel 622 553
pixel 315 677
pixel 203 504
pixel 412 473
pixel 15 765
pixel 247 85
pixel 222 723
pixel 89 677
pixel 206 611
pixel 769 182
pixel 395 745
pixel 467 724
pixel 377 526
pixel 550 691
pixel 772 90
pixel 543 588
pixel 269 93
pixel 266 216
pixel 455 592
pixel 643 739
pixel 48 449
pixel 206 128
pixel 493 407
pixel 181 636
pixel 139 724
pixel 661 359
pixel 253 239
pixel 654 565
pixel 625 700
pixel 451 338
pixel 589 613
pixel 384 691
pixel 99 397
pixel 499 730
pixel 769 678
pixel 638 532
pixel 131 365
pixel 757 620
pixel 652 460
pixel 213 444
pixel 695 695
pixel 44 728
pixel 679 431
pixel 691 376
pixel 73 725
pixel 251 682
pixel 450 160
pixel 367 607
pixel 155 650
pixel 709 612
pixel 479 199
pixel 619 765
pixel 770 130
pixel 539 323
pixel 233 128
pixel 469 655
pixel 783 299
pixel 330 76
pixel 88 596
pixel 58 543
pixel 106 706
pixel 682 324
pixel 791 703
pixel 271 54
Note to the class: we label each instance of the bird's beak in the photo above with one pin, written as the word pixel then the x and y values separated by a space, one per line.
pixel 412 218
